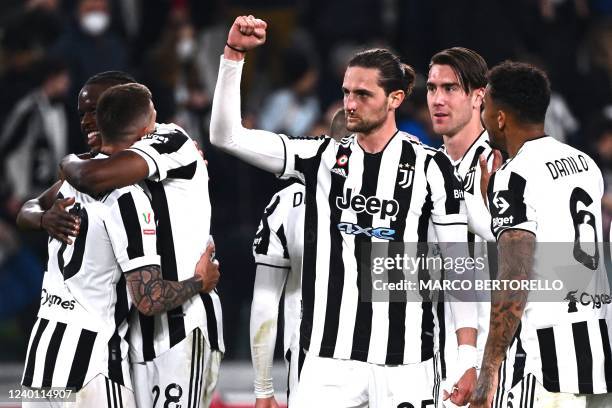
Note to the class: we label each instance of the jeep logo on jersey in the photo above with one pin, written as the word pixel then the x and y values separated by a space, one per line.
pixel 406 174
pixel 54 300
pixel 354 229
pixel 371 205
pixel 500 203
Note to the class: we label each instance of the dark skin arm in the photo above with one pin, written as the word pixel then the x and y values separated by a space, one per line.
pixel 516 251
pixel 96 176
pixel 48 213
pixel 153 295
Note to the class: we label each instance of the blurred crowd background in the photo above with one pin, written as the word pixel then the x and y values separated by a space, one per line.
pixel 48 49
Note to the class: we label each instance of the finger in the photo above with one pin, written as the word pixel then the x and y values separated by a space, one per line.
pixel 459 397
pixel 445 395
pixel 62 238
pixel 210 248
pixel 65 202
pixel 483 164
pixel 497 160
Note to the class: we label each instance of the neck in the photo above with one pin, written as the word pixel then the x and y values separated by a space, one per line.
pixel 457 144
pixel 110 148
pixel 522 135
pixel 376 140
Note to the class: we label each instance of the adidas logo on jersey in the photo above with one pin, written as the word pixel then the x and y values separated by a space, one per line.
pixel 340 172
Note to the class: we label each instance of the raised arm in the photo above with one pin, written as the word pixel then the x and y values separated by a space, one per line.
pixel 95 176
pixel 262 149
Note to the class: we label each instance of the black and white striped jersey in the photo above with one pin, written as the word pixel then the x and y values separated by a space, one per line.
pixel 83 318
pixel 554 191
pixel 479 234
pixel 353 199
pixel 279 244
pixel 178 188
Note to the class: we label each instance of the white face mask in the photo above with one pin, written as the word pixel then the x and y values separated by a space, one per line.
pixel 95 22
pixel 185 48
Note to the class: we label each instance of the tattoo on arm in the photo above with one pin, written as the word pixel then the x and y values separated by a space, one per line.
pixel 516 250
pixel 153 295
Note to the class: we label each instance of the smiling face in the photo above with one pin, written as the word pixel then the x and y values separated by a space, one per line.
pixel 88 99
pixel 450 107
pixel 365 104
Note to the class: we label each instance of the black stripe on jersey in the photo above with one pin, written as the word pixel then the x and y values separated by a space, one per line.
pixel 76 261
pixel 288 359
pixel 363 247
pixel 147 332
pixel 82 357
pixel 451 183
pixel 520 357
pixel 605 339
pixel 427 318
pixel 52 352
pixel 309 168
pixel 165 248
pixel 114 386
pixel 198 340
pixel 211 321
pixel 335 284
pixel 184 172
pixel 548 356
pixel 201 362
pixel 174 141
pixel 29 371
pixel 119 396
pixel 283 239
pixel 108 395
pixel 301 358
pixel 397 307
pixel 442 336
pixel 263 236
pixel 584 357
pixel 122 308
pixel 191 371
pixel 129 216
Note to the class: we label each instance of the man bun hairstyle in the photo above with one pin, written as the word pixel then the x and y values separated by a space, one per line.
pixel 121 109
pixel 522 88
pixel 468 65
pixel 393 74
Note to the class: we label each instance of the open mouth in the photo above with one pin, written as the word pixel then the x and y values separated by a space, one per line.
pixel 92 134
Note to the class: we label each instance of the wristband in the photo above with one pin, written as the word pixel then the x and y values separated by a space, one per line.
pixel 236 49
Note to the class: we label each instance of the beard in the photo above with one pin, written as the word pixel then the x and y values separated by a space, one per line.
pixel 365 126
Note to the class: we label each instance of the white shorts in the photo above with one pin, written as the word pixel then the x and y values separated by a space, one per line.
pixel 185 375
pixel 334 383
pixel 529 393
pixel 100 392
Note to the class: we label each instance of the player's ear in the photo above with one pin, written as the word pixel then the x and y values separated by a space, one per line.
pixel 501 119
pixel 396 98
pixel 478 97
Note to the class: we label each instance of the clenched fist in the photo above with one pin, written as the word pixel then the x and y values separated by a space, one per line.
pixel 246 33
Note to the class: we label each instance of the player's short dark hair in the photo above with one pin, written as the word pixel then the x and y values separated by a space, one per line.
pixel 393 74
pixel 119 107
pixel 522 88
pixel 110 78
pixel 468 65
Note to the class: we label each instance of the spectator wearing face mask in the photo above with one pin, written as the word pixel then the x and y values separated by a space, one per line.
pixel 89 45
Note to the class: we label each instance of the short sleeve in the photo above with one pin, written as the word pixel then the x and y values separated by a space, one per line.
pixel 132 231
pixel 448 209
pixel 169 152
pixel 270 244
pixel 510 203
pixel 300 152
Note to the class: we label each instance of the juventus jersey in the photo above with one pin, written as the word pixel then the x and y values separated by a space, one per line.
pixel 479 233
pixel 279 244
pixel 354 198
pixel 178 187
pixel 554 191
pixel 82 322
